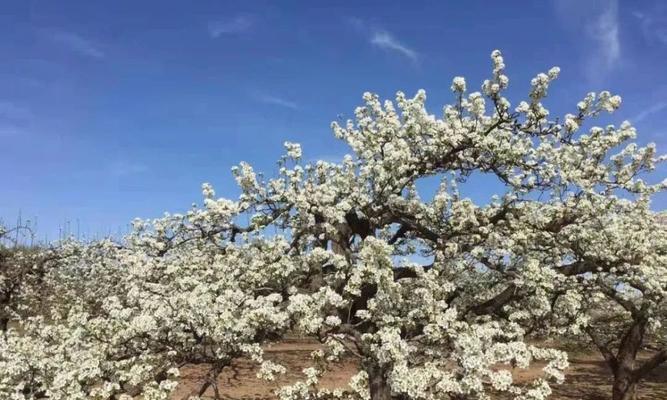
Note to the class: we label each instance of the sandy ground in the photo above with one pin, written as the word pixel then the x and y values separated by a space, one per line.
pixel 588 377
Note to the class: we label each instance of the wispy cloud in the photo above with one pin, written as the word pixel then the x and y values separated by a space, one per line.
pixel 656 108
pixel 653 26
pixel 597 30
pixel 77 44
pixel 386 41
pixel 604 31
pixel 382 39
pixel 238 24
pixel 275 100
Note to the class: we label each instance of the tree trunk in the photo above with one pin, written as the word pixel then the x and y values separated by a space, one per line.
pixel 377 383
pixel 625 378
pixel 625 386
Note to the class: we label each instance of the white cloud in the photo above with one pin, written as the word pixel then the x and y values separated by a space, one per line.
pixel 77 44
pixel 238 24
pixel 382 39
pixel 386 41
pixel 656 108
pixel 275 100
pixel 605 32
pixel 596 26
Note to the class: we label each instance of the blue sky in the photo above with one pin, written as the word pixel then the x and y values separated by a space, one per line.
pixel 116 110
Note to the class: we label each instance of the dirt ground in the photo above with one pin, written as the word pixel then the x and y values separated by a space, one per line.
pixel 588 377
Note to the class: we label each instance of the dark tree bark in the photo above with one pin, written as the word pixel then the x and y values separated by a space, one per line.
pixel 625 379
pixel 627 374
pixel 377 382
pixel 625 386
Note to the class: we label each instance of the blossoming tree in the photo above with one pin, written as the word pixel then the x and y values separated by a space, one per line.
pixel 118 321
pixel 435 297
pixel 613 289
pixel 536 250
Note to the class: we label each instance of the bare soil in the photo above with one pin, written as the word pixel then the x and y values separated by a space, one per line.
pixel 588 377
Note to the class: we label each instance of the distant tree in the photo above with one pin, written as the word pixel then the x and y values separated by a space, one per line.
pixel 121 320
pixel 20 273
pixel 618 273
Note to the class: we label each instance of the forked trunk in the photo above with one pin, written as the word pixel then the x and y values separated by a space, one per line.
pixel 623 365
pixel 377 383
pixel 624 388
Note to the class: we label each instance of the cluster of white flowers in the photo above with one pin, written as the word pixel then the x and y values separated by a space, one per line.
pixel 293 150
pixel 459 84
pixel 499 82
